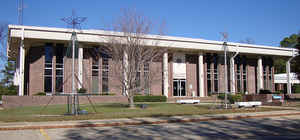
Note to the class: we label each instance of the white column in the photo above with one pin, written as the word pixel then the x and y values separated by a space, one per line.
pixel 288 74
pixel 232 76
pixel 165 74
pixel 201 74
pixel 80 67
pixel 21 69
pixel 259 74
pixel 21 65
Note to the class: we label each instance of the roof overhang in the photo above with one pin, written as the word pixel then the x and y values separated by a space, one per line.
pixel 101 36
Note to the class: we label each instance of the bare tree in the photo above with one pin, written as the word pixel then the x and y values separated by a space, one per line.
pixel 248 41
pixel 3 34
pixel 131 52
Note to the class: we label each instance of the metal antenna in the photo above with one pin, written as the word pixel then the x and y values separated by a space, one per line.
pixel 225 39
pixel 74 20
pixel 224 36
pixel 20 12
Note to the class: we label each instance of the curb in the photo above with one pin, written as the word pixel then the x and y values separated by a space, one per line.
pixel 142 122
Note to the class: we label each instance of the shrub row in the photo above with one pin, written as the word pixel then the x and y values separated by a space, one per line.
pixel 267 91
pixel 149 98
pixel 231 98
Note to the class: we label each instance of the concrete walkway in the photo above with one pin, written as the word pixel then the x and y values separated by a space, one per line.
pixel 141 121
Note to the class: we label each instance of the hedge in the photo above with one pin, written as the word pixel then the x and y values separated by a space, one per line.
pixel 231 98
pixel 149 98
pixel 265 91
pixel 40 94
pixel 296 88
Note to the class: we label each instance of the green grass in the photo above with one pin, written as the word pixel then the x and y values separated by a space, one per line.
pixel 293 103
pixel 111 111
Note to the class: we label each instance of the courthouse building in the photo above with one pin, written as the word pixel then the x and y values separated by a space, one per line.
pixel 190 67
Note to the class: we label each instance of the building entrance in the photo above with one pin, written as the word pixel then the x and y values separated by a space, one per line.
pixel 179 87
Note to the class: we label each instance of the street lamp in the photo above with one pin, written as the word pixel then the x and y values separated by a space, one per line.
pixel 225 73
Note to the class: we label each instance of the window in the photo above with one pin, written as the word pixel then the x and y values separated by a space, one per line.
pixel 138 79
pixel 216 74
pixel 59 70
pixel 105 70
pixel 208 73
pixel 238 73
pixel 146 79
pixel 238 78
pixel 48 68
pixel 265 76
pixel 95 75
pixel 244 74
pixel 270 78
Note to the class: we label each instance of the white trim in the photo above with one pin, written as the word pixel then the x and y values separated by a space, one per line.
pixel 165 74
pixel 80 66
pixel 201 74
pixel 260 74
pixel 98 36
pixel 22 65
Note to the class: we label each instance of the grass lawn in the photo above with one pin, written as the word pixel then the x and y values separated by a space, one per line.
pixel 293 103
pixel 111 111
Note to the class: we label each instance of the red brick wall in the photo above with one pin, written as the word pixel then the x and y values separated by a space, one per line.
pixel 36 70
pixel 170 69
pixel 191 74
pixel 114 83
pixel 221 74
pixel 156 70
pixel 251 78
pixel 87 71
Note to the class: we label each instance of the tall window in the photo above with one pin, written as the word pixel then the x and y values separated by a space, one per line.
pixel 238 73
pixel 48 68
pixel 95 74
pixel 105 70
pixel 95 53
pixel 208 72
pixel 138 80
pixel 59 72
pixel 265 76
pixel 146 79
pixel 270 78
pixel 244 74
pixel 216 73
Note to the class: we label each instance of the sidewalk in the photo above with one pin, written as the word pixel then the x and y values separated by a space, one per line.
pixel 141 121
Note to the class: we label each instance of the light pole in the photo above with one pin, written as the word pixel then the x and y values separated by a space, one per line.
pixel 225 73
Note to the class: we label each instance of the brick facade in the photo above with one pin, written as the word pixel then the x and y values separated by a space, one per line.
pixel 251 76
pixel 191 74
pixel 36 70
pixel 36 60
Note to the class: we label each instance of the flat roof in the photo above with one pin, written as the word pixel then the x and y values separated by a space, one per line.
pixel 16 32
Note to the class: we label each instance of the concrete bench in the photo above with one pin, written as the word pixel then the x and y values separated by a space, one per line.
pixel 248 104
pixel 188 101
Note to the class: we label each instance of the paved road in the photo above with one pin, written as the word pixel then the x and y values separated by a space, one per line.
pixel 287 127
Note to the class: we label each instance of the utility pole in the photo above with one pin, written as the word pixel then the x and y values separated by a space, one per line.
pixel 20 12
pixel 225 39
pixel 75 22
pixel 225 73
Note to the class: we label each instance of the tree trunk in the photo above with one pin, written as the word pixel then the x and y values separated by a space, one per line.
pixel 131 102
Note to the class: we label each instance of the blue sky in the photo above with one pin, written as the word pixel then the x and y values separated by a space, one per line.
pixel 267 22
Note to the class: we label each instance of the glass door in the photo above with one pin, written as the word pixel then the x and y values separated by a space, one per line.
pixel 182 88
pixel 179 87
